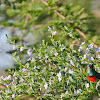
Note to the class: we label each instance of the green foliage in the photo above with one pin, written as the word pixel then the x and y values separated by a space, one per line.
pixel 57 73
pixel 35 17
pixel 53 69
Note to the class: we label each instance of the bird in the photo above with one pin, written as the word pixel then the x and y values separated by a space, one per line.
pixel 92 75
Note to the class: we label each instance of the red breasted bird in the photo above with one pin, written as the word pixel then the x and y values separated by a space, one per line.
pixel 92 75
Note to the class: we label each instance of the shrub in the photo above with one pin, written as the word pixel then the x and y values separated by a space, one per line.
pixel 56 72
pixel 55 69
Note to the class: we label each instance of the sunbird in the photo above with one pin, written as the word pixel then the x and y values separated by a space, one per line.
pixel 92 75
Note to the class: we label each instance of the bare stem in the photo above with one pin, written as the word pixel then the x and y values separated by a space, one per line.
pixel 63 17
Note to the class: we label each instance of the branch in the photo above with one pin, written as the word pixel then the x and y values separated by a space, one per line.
pixel 81 33
pixel 44 2
pixel 26 20
pixel 63 17
pixel 60 15
pixel 3 87
pixel 35 0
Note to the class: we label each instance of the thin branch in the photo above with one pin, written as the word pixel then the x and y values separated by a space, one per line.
pixel 44 2
pixel 24 31
pixel 63 17
pixel 3 87
pixel 26 20
pixel 35 0
pixel 93 43
pixel 81 33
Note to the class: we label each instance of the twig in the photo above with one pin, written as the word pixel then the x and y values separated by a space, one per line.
pixel 85 37
pixel 24 31
pixel 81 33
pixel 93 43
pixel 63 17
pixel 26 20
pixel 3 87
pixel 44 2
pixel 35 0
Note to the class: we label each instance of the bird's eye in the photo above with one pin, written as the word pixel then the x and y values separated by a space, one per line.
pixel 90 65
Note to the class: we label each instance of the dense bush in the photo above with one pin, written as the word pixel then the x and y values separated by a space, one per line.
pixel 55 72
pixel 54 69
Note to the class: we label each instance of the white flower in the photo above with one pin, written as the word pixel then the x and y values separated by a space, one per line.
pixel 1 77
pixel 40 98
pixel 61 96
pixel 40 60
pixel 97 49
pixel 87 85
pixel 66 68
pixel 46 86
pixel 6 96
pixel 90 46
pixel 13 95
pixel 14 74
pixel 59 76
pixel 66 92
pixel 14 47
pixel 70 71
pixel 21 49
pixel 29 52
pixel 55 53
pixel 32 60
pixel 92 58
pixel 63 47
pixel 39 57
pixel 45 94
pixel 79 91
pixel 83 43
pixel 80 49
pixel 29 59
pixel 21 80
pixel 98 56
pixel 7 77
pixel 46 61
pixel 71 62
pixel 34 67
pixel 54 33
pixel 46 56
pixel 82 62
pixel 74 91
pixel 74 57
pixel 50 81
pixel 87 50
pixel 44 67
pixel 69 33
pixel 24 69
pixel 49 28
pixel 52 73
pixel 85 56
pixel 40 88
